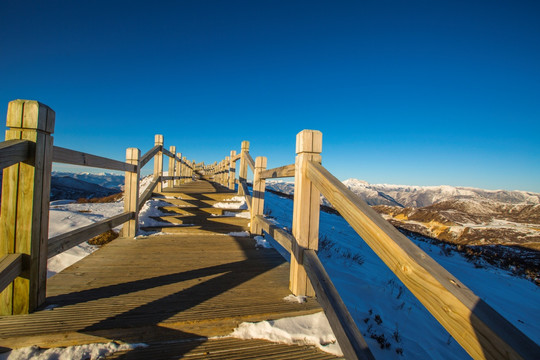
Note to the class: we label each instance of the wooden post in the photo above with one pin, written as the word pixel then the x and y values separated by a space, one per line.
pixel 305 227
pixel 178 171
pixel 232 170
pixel 226 171
pixel 242 176
pixel 24 219
pixel 184 170
pixel 158 162
pixel 172 163
pixel 131 192
pixel 191 170
pixel 257 204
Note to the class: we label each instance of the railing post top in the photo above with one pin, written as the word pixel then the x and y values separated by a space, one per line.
pixel 227 158
pixel 30 114
pixel 233 153
pixel 158 139
pixel 172 149
pixel 245 145
pixel 260 162
pixel 309 141
pixel 133 154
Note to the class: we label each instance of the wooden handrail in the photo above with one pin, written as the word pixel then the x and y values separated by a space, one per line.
pixel 73 238
pixel 237 157
pixel 148 192
pixel 348 336
pixel 479 329
pixel 282 237
pixel 244 186
pixel 149 155
pixel 250 162
pixel 10 268
pixel 279 172
pixel 14 151
pixel 68 156
pixel 168 153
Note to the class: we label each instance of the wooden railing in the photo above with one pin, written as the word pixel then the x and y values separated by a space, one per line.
pixel 26 158
pixel 477 327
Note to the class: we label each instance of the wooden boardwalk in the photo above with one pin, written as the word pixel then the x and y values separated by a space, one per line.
pixel 172 291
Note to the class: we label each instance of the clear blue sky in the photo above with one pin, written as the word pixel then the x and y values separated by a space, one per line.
pixel 405 92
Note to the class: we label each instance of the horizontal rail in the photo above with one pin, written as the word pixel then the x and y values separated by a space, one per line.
pixel 10 268
pixel 149 155
pixel 244 186
pixel 73 238
pixel 349 338
pixel 14 151
pixel 67 156
pixel 237 157
pixel 478 328
pixel 281 236
pixel 148 192
pixel 250 162
pixel 169 154
pixel 279 172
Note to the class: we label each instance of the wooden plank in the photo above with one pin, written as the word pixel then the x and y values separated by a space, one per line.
pixel 478 328
pixel 250 162
pixel 245 191
pixel 242 175
pixel 306 209
pixel 10 268
pixel 158 161
pixel 232 169
pixel 63 242
pixel 25 205
pixel 14 151
pixel 237 157
pixel 148 192
pixel 68 156
pixel 149 154
pixel 168 153
pixel 279 172
pixel 172 164
pixel 131 193
pixel 258 194
pixel 350 339
pixel 178 172
pixel 281 236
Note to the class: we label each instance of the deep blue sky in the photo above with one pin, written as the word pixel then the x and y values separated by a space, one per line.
pixel 409 92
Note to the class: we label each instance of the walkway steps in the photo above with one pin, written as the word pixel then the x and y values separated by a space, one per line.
pixel 171 291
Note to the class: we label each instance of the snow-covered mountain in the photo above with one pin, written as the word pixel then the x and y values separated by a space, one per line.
pixel 72 188
pixel 420 196
pixel 108 180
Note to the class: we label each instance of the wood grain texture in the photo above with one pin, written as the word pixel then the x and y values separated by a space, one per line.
pixel 250 162
pixel 479 329
pixel 149 154
pixel 350 339
pixel 242 175
pixel 14 151
pixel 131 193
pixel 10 268
pixel 63 242
pixel 257 205
pixel 279 172
pixel 306 209
pixel 281 236
pixel 168 153
pixel 68 156
pixel 172 163
pixel 158 161
pixel 232 169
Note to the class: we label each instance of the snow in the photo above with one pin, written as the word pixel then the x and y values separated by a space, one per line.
pixel 295 299
pixel 243 214
pixel 239 233
pixel 261 242
pixel 237 202
pixel 301 330
pixel 89 351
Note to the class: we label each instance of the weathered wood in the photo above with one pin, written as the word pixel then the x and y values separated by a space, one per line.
pixel 68 156
pixel 172 163
pixel 479 329
pixel 24 216
pixel 350 339
pixel 10 268
pixel 148 192
pixel 250 162
pixel 148 156
pixel 281 236
pixel 63 242
pixel 168 153
pixel 237 157
pixel 178 171
pixel 257 206
pixel 242 175
pixel 131 193
pixel 232 169
pixel 158 160
pixel 306 208
pixel 14 151
pixel 245 191
pixel 279 172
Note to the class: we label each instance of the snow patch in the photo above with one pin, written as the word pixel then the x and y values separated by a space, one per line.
pixel 237 202
pixel 239 233
pixel 89 351
pixel 295 299
pixel 261 242
pixel 301 330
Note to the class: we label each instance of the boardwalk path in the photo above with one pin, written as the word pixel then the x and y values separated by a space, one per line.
pixel 170 291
